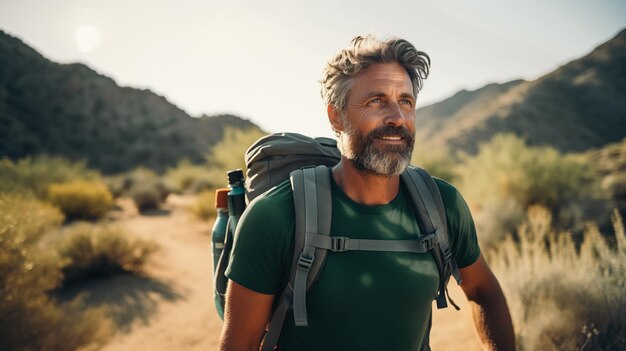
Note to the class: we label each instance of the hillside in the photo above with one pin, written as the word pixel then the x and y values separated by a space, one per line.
pixel 580 105
pixel 71 110
pixel 611 162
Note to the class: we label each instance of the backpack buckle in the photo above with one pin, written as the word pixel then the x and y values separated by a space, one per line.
pixel 338 243
pixel 447 254
pixel 429 241
pixel 305 262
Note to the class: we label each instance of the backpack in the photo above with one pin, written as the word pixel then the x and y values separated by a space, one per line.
pixel 305 161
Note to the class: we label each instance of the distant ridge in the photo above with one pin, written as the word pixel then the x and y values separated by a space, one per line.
pixel 580 105
pixel 72 111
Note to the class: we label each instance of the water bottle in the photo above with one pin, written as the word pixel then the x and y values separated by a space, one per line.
pixel 218 235
pixel 219 227
pixel 236 196
pixel 236 205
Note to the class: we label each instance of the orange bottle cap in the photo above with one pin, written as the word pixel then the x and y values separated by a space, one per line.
pixel 221 198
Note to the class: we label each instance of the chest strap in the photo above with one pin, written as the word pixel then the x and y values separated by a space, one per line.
pixel 422 244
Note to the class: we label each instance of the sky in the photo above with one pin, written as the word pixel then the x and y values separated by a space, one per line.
pixel 262 60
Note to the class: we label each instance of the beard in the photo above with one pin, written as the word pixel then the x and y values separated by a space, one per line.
pixel 383 160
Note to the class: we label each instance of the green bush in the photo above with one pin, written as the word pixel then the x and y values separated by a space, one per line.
pixel 506 177
pixel 89 250
pixel 25 220
pixel 145 196
pixel 33 175
pixel 561 297
pixel 204 206
pixel 229 153
pixel 81 199
pixel 190 178
pixel 117 184
pixel 437 162
pixel 143 185
pixel 29 319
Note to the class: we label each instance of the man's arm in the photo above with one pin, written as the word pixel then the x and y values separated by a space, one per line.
pixel 491 313
pixel 246 315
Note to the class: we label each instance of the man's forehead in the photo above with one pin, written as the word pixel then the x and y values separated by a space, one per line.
pixel 383 75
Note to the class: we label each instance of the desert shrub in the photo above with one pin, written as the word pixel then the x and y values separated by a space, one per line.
pixel 89 250
pixel 229 153
pixel 33 175
pixel 437 161
pixel 561 297
pixel 143 185
pixel 25 219
pixel 204 206
pixel 80 199
pixel 507 176
pixel 190 178
pixel 29 319
pixel 145 196
pixel 117 184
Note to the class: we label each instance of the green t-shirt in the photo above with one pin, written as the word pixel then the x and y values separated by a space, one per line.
pixel 362 300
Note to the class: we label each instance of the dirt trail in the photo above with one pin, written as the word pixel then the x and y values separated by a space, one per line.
pixel 454 330
pixel 171 308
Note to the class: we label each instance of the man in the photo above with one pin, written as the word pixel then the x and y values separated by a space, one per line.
pixel 361 300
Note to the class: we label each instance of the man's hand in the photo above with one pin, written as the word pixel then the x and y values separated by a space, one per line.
pixel 491 313
pixel 245 318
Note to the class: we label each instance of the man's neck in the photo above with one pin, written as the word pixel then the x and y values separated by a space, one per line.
pixel 365 188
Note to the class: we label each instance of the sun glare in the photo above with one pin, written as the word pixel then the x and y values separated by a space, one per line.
pixel 87 38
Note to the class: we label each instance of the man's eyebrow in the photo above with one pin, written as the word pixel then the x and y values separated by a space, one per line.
pixel 374 93
pixel 407 95
pixel 381 93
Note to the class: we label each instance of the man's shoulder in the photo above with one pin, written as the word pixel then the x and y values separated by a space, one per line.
pixel 461 229
pixel 449 193
pixel 277 199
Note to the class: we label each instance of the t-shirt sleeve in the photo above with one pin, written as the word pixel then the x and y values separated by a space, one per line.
pixel 461 228
pixel 261 245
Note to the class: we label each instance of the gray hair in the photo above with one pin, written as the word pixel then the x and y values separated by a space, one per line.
pixel 364 51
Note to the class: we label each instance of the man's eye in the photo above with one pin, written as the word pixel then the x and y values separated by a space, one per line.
pixel 376 101
pixel 406 102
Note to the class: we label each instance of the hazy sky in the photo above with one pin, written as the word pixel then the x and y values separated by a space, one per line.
pixel 262 59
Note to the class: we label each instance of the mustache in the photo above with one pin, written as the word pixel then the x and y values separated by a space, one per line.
pixel 391 130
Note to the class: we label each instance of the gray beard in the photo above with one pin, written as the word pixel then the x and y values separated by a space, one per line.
pixel 364 156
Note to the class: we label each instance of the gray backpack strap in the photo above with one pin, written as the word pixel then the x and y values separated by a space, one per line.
pixel 315 195
pixel 422 244
pixel 278 319
pixel 429 206
pixel 313 208
pixel 443 239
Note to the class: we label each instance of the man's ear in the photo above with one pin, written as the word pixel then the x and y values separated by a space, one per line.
pixel 334 116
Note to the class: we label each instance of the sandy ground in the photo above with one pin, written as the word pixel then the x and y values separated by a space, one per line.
pixel 171 307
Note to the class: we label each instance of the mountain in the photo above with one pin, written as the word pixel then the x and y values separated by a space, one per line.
pixel 72 111
pixel 580 105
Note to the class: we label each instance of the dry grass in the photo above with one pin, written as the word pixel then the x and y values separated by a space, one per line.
pixel 563 297
pixel 89 250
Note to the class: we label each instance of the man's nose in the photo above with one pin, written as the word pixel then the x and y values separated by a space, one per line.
pixel 394 115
